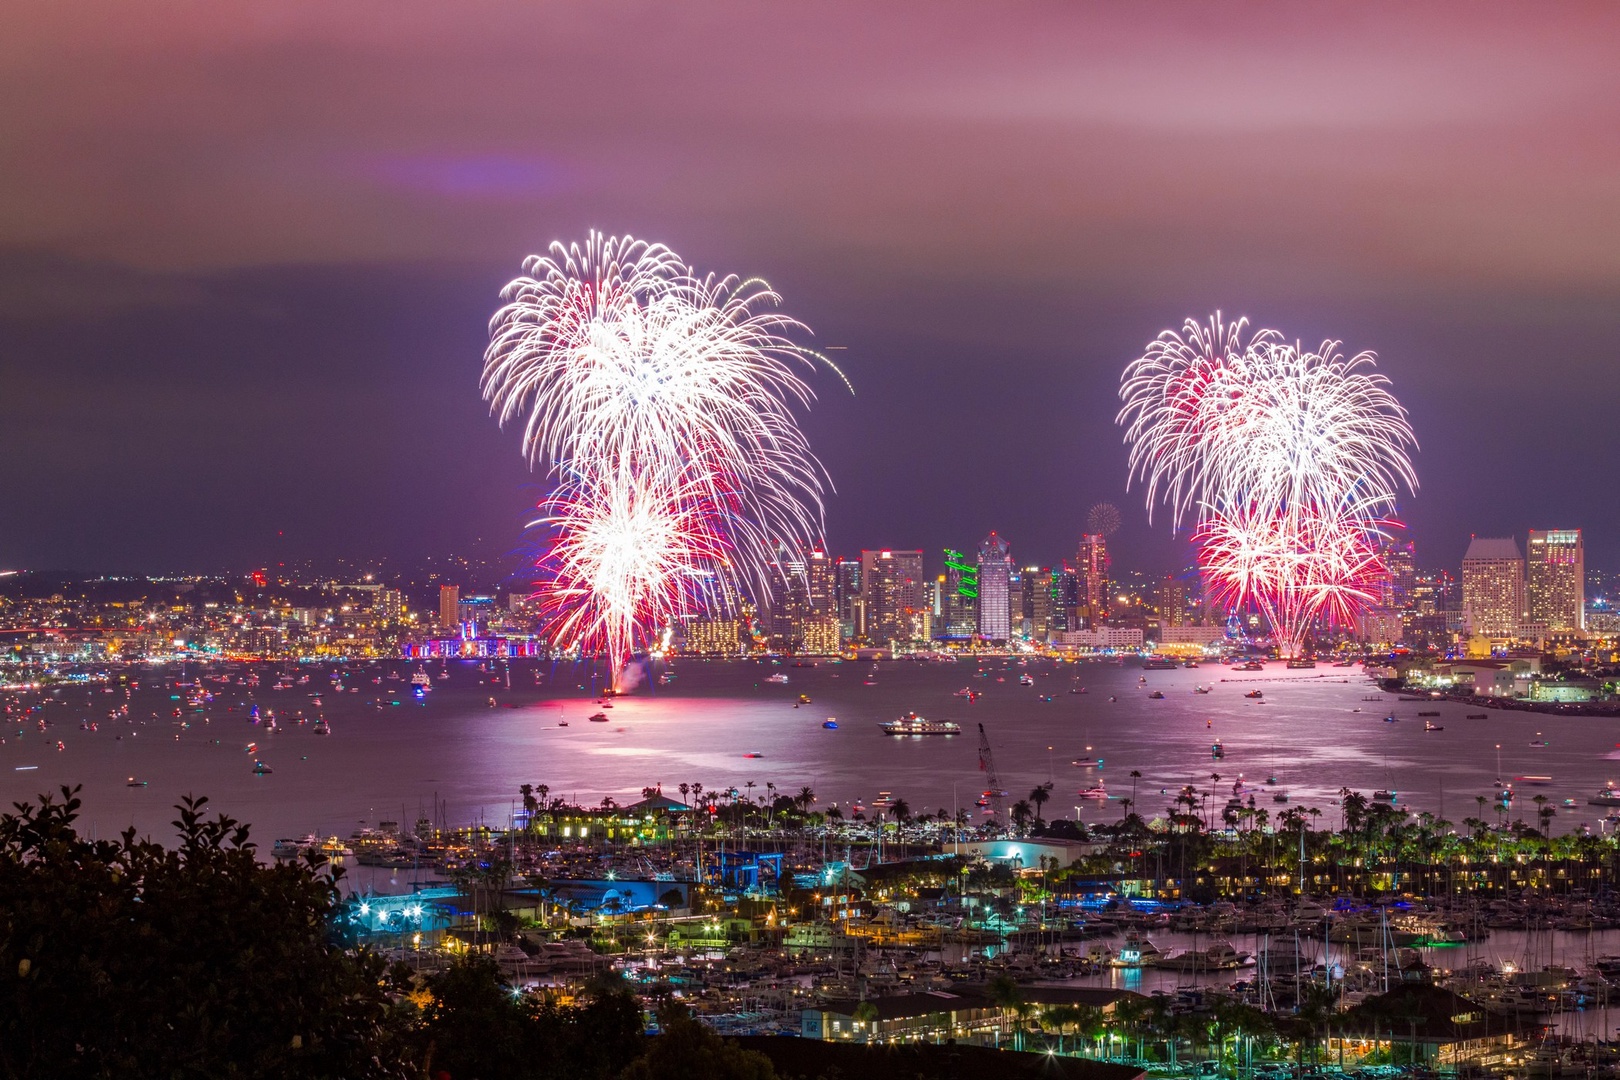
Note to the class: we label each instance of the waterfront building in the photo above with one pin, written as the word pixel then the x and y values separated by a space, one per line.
pixel 892 589
pixel 1172 602
pixel 449 599
pixel 995 589
pixel 847 598
pixel 1091 564
pixel 1035 601
pixel 1066 601
pixel 713 637
pixel 1493 587
pixel 1555 580
pixel 959 598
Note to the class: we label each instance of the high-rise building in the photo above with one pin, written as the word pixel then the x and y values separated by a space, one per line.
pixel 388 604
pixel 1091 564
pixel 1400 566
pixel 1065 601
pixel 821 579
pixel 449 599
pixel 959 599
pixel 1172 602
pixel 1555 580
pixel 804 618
pixel 847 598
pixel 1493 587
pixel 995 589
pixel 892 589
pixel 1036 602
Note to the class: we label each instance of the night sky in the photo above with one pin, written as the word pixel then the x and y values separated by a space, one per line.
pixel 248 252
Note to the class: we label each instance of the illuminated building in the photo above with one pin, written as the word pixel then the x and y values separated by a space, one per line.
pixel 475 614
pixel 388 604
pixel 959 598
pixel 806 619
pixel 892 590
pixel 1555 579
pixel 713 637
pixel 1172 602
pixel 1065 601
pixel 449 598
pixel 1493 587
pixel 847 598
pixel 1091 564
pixel 995 589
pixel 1036 602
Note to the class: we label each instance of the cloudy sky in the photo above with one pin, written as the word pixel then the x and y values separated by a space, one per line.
pixel 248 252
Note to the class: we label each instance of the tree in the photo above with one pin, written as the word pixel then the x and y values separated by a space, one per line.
pixel 123 958
pixel 1021 814
pixel 1038 799
pixel 687 1049
pixel 531 805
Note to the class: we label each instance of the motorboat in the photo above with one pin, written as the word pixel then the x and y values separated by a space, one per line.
pixel 1097 792
pixel 1430 725
pixel 830 724
pixel 1478 716
pixel 753 754
pixel 599 718
pixel 261 769
pixel 321 728
pixel 1254 694
pixel 1606 796
pixel 133 782
pixel 1157 695
pixel 1217 751
pixel 780 678
pixel 912 724
pixel 1200 689
pixel 804 699
pixel 1383 795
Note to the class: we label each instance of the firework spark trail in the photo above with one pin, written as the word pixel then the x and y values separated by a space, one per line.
pixel 1289 459
pixel 639 381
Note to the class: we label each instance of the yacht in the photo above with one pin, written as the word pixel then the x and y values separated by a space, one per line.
pixel 1254 694
pixel 1099 792
pixel 780 679
pixel 1606 796
pixel 421 680
pixel 1157 695
pixel 912 724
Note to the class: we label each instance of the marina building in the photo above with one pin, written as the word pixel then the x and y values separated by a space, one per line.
pixel 1493 587
pixel 1555 580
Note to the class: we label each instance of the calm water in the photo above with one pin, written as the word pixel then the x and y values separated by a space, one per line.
pixel 387 761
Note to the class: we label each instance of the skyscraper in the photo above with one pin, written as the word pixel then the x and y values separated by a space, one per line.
pixel 892 589
pixel 1493 587
pixel 847 598
pixel 1091 565
pixel 449 598
pixel 995 585
pixel 1555 579
pixel 959 619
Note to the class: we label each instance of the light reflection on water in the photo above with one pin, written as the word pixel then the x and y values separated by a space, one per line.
pixel 393 762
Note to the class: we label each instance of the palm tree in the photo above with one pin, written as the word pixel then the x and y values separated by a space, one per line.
pixel 684 789
pixel 1021 813
pixel 1136 774
pixel 1038 799
pixel 530 805
pixel 806 799
pixel 902 811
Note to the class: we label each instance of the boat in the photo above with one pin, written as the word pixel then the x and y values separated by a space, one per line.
pixel 1156 695
pixel 132 782
pixel 1535 781
pixel 1538 742
pixel 421 681
pixel 804 699
pixel 966 692
pixel 1098 792
pixel 1607 796
pixel 1301 665
pixel 1136 951
pixel 1392 719
pixel 1217 751
pixel 1254 694
pixel 1428 714
pixel 321 728
pixel 912 724
pixel 1430 725
pixel 261 769
pixel 1478 716
pixel 884 801
pixel 780 679
pixel 1219 956
pixel 753 754
pixel 1279 796
pixel 1025 680
pixel 1159 664
pixel 830 724
pixel 562 723
pixel 1250 665
pixel 1382 795
pixel 1200 689
pixel 599 718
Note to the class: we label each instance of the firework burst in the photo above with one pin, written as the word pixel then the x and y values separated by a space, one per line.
pixel 1288 459
pixel 664 404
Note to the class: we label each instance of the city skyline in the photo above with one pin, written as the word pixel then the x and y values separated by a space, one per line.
pixel 279 358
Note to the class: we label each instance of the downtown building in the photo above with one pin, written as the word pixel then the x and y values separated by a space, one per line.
pixel 1493 587
pixel 894 596
pixel 1091 568
pixel 995 589
pixel 1555 581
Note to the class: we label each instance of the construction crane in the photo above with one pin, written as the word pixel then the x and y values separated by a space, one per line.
pixel 994 796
